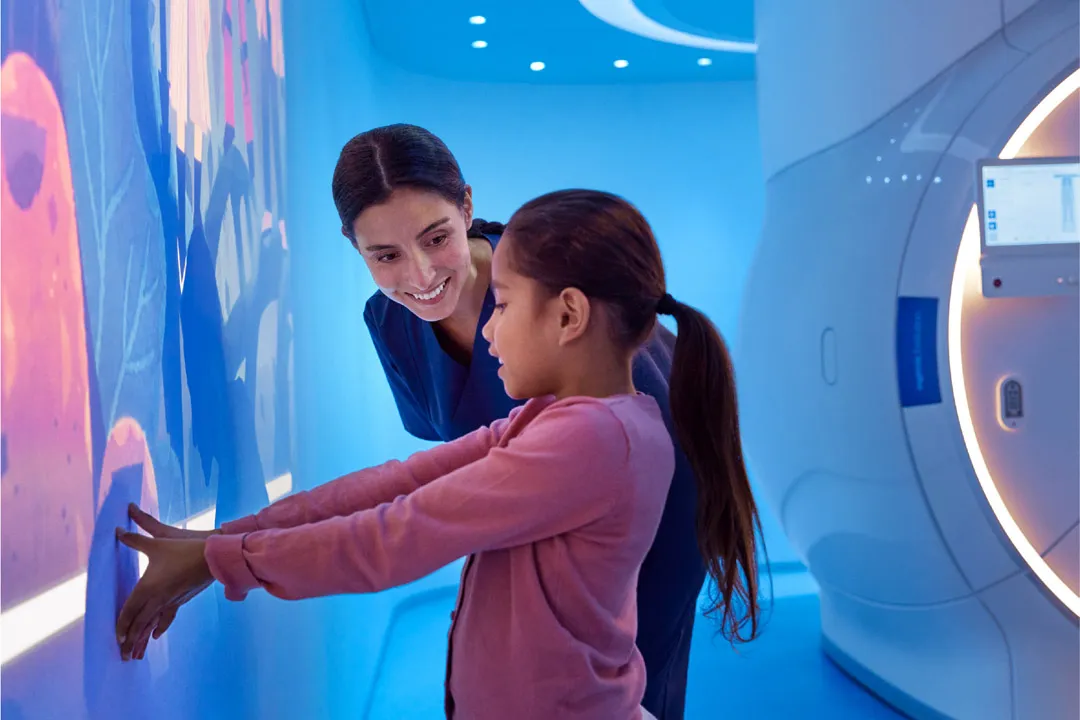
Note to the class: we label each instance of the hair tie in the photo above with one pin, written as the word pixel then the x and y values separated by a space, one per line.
pixel 667 305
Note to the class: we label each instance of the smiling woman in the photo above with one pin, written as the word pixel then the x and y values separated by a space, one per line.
pixel 410 223
pixel 417 267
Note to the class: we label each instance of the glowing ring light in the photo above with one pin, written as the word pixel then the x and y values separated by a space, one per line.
pixel 625 15
pixel 966 257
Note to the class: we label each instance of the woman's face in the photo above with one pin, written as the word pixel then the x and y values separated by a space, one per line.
pixel 416 246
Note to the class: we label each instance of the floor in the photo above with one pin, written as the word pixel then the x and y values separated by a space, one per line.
pixel 782 674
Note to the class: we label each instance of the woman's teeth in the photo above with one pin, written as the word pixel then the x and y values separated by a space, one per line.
pixel 431 295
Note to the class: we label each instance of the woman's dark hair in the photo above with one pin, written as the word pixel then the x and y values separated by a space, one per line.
pixel 375 163
pixel 601 245
pixel 483 228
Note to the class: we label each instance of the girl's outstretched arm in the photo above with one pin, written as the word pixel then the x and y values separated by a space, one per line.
pixel 560 474
pixel 366 489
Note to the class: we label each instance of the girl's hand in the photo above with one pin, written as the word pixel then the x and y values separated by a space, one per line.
pixel 176 573
pixel 160 530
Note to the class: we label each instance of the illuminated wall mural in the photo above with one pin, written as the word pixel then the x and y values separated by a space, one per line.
pixel 146 323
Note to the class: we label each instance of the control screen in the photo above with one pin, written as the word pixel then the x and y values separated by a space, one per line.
pixel 1030 204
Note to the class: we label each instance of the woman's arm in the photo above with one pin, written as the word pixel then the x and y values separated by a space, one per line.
pixel 365 489
pixel 557 476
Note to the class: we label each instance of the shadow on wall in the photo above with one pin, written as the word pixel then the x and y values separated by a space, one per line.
pixel 111 687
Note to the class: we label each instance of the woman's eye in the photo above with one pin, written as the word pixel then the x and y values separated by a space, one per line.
pixel 386 257
pixel 439 240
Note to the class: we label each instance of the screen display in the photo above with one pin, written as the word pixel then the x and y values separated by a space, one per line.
pixel 1030 204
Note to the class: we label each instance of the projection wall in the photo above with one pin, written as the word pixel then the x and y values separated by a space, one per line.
pixel 146 323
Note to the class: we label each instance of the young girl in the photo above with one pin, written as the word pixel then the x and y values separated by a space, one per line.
pixel 556 506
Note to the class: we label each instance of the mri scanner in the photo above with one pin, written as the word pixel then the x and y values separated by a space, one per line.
pixel 909 355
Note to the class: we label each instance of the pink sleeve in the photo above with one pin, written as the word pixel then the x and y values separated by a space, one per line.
pixel 365 489
pixel 558 475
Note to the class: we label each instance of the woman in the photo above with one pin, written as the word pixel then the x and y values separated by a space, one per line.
pixel 405 206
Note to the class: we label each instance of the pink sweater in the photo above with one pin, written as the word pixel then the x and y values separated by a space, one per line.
pixel 556 507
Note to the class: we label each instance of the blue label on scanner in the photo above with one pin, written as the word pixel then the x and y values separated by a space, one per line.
pixel 916 351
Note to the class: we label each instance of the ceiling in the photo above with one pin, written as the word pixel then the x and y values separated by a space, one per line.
pixel 576 46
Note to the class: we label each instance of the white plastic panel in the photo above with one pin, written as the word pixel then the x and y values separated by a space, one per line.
pixel 828 443
pixel 1044 647
pixel 936 445
pixel 1012 8
pixel 964 520
pixel 1025 276
pixel 839 65
pixel 833 456
pixel 1044 20
pixel 950 657
pixel 870 543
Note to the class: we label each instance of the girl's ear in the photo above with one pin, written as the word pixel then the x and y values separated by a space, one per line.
pixel 575 312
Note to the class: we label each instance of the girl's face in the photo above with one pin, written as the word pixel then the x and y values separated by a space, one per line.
pixel 523 332
pixel 416 246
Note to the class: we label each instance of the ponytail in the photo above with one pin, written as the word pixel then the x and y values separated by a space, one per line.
pixel 483 228
pixel 704 410
pixel 602 245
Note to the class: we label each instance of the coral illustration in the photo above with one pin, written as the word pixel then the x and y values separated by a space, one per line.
pixel 47 506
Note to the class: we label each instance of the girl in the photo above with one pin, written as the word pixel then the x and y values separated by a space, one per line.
pixel 406 208
pixel 556 505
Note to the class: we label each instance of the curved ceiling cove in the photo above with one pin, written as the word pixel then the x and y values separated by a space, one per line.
pixel 723 19
pixel 589 42
pixel 628 16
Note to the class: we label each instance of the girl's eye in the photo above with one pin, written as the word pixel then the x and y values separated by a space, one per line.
pixel 500 306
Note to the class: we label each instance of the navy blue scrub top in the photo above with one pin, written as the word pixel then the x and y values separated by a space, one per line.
pixel 440 399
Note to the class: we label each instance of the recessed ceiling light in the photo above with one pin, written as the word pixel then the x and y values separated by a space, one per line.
pixel 536 66
pixel 479 44
pixel 478 20
pixel 621 63
pixel 704 62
